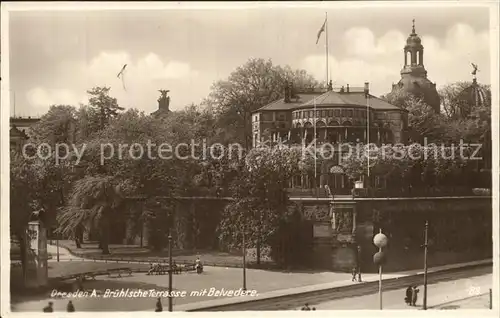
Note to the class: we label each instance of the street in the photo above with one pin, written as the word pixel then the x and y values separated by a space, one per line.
pixel 439 294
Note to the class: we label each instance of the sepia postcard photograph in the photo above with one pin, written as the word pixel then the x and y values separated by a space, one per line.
pixel 236 157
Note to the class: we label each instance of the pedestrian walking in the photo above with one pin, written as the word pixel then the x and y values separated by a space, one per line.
pixel 414 295
pixel 49 307
pixel 306 307
pixel 354 273
pixel 159 306
pixel 70 307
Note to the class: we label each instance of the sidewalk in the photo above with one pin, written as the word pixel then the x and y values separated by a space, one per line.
pixel 135 253
pixel 319 287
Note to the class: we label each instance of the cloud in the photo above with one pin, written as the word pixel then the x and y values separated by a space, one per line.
pixel 379 60
pixel 139 87
pixel 43 98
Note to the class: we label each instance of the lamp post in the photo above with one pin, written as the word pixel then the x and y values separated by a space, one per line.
pixel 359 263
pixel 57 245
pixel 244 263
pixel 380 241
pixel 170 272
pixel 426 243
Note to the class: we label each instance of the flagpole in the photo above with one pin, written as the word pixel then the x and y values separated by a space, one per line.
pixel 367 96
pixel 315 164
pixel 326 39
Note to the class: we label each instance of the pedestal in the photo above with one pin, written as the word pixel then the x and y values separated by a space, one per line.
pixel 36 269
pixel 343 219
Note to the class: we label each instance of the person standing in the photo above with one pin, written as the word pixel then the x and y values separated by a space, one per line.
pixel 70 307
pixel 306 307
pixel 354 273
pixel 409 292
pixel 414 295
pixel 159 306
pixel 49 307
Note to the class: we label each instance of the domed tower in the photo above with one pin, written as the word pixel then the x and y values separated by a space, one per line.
pixel 414 76
pixel 473 96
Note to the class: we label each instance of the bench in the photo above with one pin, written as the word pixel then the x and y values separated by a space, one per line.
pixel 118 272
pixel 187 268
pixel 161 269
pixel 158 269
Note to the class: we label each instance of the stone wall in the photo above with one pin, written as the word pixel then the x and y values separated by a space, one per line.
pixel 460 229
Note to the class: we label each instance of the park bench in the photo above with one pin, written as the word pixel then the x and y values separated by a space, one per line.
pixel 118 272
pixel 187 268
pixel 158 269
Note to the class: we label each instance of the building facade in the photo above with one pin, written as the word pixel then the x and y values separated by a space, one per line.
pixel 336 117
pixel 18 130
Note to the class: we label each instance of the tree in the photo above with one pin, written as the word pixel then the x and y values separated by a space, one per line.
pixel 58 125
pixel 128 151
pixel 424 122
pixel 95 201
pixel 455 104
pixel 261 199
pixel 414 166
pixel 251 86
pixel 35 184
pixel 103 106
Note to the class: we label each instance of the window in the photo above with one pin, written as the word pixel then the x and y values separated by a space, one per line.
pixel 317 113
pixel 337 112
pixel 343 113
pixel 349 113
pixel 330 113
pixel 310 114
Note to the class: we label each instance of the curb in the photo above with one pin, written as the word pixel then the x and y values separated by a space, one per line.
pixel 273 301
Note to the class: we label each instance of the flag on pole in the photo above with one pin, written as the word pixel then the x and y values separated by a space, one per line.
pixel 321 31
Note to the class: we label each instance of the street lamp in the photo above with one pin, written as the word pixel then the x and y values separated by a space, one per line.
pixel 57 244
pixel 426 243
pixel 169 272
pixel 380 241
pixel 359 263
pixel 244 263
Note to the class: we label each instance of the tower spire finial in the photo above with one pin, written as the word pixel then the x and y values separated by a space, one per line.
pixel 413 27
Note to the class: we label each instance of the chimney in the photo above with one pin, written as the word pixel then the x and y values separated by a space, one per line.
pixel 292 92
pixel 347 88
pixel 287 93
pixel 367 88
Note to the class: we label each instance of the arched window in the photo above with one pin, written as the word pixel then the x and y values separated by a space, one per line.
pixel 418 57
pixel 407 58
pixel 308 125
pixel 320 124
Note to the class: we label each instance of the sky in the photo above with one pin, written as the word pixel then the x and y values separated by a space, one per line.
pixel 56 56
